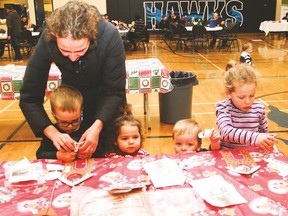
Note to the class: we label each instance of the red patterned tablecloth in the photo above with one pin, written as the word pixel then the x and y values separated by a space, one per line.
pixel 266 190
pixel 142 76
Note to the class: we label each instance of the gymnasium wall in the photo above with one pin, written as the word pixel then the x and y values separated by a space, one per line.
pixel 248 13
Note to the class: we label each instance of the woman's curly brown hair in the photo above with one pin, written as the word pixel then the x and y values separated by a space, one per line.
pixel 76 19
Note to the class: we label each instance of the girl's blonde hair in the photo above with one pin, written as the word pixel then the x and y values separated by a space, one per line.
pixel 239 75
pixel 186 126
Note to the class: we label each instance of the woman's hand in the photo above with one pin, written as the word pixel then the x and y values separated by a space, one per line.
pixel 91 138
pixel 61 141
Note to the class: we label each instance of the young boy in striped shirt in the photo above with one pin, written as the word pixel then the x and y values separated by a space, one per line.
pixel 245 56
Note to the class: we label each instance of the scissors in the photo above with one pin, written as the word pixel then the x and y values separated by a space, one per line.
pixel 77 145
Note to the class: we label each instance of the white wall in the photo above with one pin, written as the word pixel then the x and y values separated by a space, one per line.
pixel 100 4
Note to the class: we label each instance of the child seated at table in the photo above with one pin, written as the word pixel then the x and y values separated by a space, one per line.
pixel 245 56
pixel 127 137
pixel 66 107
pixel 186 137
pixel 242 120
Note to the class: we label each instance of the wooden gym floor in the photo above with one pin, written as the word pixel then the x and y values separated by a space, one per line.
pixel 270 59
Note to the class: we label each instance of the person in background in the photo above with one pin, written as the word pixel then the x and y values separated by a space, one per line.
pixel 186 139
pixel 137 28
pixel 230 64
pixel 164 23
pixel 25 22
pixel 106 17
pixel 219 22
pixel 14 30
pixel 23 9
pixel 286 18
pixel 2 45
pixel 66 107
pixel 2 49
pixel 241 120
pixel 127 137
pixel 90 56
pixel 173 18
pixel 245 56
pixel 164 26
pixel 122 25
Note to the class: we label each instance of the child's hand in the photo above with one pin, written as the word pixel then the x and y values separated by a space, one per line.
pixel 66 156
pixel 215 140
pixel 267 141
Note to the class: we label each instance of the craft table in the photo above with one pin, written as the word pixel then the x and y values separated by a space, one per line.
pixel 142 76
pixel 265 190
pixel 273 26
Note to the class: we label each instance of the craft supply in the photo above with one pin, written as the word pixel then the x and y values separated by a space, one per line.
pixel 243 164
pixel 77 145
pixel 125 188
pixel 76 172
pixel 205 134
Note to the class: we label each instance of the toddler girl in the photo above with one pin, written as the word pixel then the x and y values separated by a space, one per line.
pixel 127 137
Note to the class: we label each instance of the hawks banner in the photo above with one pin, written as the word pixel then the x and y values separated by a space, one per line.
pixel 195 9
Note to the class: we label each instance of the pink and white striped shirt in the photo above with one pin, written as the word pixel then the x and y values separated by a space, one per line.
pixel 238 128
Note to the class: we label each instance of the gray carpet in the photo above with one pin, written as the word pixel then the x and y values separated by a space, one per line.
pixel 280 118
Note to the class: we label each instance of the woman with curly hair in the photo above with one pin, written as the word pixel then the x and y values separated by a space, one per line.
pixel 90 55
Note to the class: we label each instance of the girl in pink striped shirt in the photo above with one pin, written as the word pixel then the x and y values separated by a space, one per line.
pixel 242 120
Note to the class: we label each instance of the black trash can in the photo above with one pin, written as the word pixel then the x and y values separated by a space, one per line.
pixel 177 104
